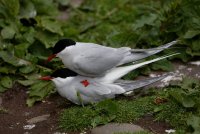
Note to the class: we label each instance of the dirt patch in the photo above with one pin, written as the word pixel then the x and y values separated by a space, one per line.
pixel 17 113
pixel 149 123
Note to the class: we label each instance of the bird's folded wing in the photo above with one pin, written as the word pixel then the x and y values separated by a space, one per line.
pixel 155 50
pixel 97 59
pixel 138 54
pixel 131 85
pixel 100 89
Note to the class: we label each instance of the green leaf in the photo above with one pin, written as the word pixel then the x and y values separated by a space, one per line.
pixel 123 39
pixel 38 91
pixel 31 59
pixel 158 109
pixel 12 6
pixel 64 2
pixel 7 33
pixel 8 70
pixel 189 83
pixel 11 59
pixel 194 121
pixel 108 105
pixel 27 69
pixel 27 9
pixel 183 55
pixel 45 7
pixel 33 76
pixel 30 101
pixel 196 45
pixel 188 101
pixel 184 99
pixel 191 33
pixel 47 38
pixel 38 49
pixel 97 121
pixel 177 95
pixel 146 20
pixel 163 65
pixel 26 82
pixel 21 50
pixel 29 35
pixel 51 25
pixel 6 82
pixel 192 52
pixel 41 89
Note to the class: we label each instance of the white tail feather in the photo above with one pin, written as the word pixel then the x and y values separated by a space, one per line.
pixel 116 73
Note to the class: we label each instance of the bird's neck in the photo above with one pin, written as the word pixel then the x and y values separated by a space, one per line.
pixel 60 82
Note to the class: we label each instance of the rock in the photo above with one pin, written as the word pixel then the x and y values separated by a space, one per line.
pixel 197 63
pixel 59 133
pixel 27 113
pixel 29 127
pixel 38 119
pixel 116 128
pixel 170 131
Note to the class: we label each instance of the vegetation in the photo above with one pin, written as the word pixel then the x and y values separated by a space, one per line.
pixel 78 118
pixel 28 30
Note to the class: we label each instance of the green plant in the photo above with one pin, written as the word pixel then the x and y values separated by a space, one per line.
pixel 78 118
pixel 28 29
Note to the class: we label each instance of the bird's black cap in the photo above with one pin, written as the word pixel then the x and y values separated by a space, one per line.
pixel 63 73
pixel 62 44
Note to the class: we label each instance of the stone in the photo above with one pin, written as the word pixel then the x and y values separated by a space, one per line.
pixel 112 128
pixel 38 119
pixel 29 127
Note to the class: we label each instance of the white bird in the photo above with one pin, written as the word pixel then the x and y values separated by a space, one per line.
pixel 93 60
pixel 83 90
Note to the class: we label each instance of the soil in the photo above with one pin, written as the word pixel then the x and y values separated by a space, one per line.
pixel 17 112
pixel 157 127
pixel 15 118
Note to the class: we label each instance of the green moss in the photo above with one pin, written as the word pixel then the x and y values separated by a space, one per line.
pixel 174 114
pixel 78 118
pixel 131 110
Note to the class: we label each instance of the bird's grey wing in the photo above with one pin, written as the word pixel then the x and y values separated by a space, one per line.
pixel 97 89
pixel 155 50
pixel 96 60
pixel 131 85
pixel 138 54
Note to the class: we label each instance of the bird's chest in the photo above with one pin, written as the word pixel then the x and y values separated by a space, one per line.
pixel 69 93
pixel 68 59
pixel 75 90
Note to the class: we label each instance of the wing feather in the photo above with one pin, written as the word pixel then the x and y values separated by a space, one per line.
pixel 96 60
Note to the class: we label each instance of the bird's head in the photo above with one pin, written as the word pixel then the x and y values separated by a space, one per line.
pixel 60 46
pixel 59 77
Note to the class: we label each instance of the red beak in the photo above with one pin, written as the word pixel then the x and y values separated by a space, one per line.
pixel 46 78
pixel 50 58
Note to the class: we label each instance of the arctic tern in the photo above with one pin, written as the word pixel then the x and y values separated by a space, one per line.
pixel 83 90
pixel 93 60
